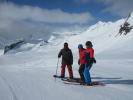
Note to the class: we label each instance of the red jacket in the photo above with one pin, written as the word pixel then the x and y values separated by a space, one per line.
pixel 90 51
pixel 81 56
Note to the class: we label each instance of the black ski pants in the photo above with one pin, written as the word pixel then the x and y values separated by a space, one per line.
pixel 81 72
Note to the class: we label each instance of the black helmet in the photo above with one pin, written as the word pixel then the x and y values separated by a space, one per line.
pixel 88 44
pixel 80 46
pixel 66 44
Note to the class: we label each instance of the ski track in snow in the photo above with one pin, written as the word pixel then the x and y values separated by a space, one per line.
pixel 11 89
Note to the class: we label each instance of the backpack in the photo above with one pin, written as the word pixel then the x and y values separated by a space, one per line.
pixel 88 59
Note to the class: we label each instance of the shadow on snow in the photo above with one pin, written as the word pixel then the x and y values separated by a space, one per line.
pixel 117 80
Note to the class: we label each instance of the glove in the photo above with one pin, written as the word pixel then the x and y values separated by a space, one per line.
pixel 78 62
pixel 59 56
pixel 94 60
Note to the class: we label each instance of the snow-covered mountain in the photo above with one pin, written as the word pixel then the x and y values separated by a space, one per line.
pixel 105 41
pixel 26 73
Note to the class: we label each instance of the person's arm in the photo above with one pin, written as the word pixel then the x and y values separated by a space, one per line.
pixel 79 58
pixel 71 57
pixel 92 54
pixel 92 57
pixel 60 53
pixel 78 61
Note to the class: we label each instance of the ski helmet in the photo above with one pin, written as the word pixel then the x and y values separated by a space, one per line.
pixel 88 44
pixel 65 44
pixel 80 46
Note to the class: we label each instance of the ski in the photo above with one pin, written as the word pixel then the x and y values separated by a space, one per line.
pixel 57 76
pixel 95 83
pixel 66 78
pixel 77 80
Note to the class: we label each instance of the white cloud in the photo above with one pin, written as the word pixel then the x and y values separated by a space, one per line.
pixel 13 12
pixel 22 21
pixel 118 7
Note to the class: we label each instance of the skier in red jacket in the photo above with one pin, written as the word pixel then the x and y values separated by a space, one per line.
pixel 81 62
pixel 89 60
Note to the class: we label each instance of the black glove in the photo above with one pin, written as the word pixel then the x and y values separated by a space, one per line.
pixel 78 62
pixel 94 60
pixel 59 56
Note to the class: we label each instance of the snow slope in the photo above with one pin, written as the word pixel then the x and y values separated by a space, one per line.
pixel 27 75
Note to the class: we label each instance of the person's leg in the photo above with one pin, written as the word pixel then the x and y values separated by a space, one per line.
pixel 63 70
pixel 81 71
pixel 87 74
pixel 90 65
pixel 70 71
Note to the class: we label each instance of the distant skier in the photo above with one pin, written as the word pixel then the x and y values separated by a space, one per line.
pixel 89 60
pixel 67 60
pixel 81 62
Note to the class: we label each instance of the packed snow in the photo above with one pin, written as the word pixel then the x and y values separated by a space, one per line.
pixel 26 73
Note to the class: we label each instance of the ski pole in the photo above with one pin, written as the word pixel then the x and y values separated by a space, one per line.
pixel 116 34
pixel 56 68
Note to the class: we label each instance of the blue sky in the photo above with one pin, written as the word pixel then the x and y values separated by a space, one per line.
pixel 104 10
pixel 33 15
pixel 94 7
